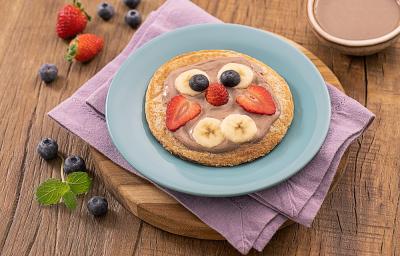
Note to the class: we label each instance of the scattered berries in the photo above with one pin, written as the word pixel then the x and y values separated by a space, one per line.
pixel 97 205
pixel 132 3
pixel 47 148
pixel 84 47
pixel 217 95
pixel 256 99
pixel 198 82
pixel 71 20
pixel 180 111
pixel 105 11
pixel 74 164
pixel 48 73
pixel 133 18
pixel 230 78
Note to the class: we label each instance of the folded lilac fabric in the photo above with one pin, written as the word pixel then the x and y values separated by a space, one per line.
pixel 245 221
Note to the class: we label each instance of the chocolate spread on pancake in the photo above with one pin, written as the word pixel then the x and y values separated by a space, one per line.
pixel 211 67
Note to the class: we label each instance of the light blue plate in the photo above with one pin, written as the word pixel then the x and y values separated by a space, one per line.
pixel 129 131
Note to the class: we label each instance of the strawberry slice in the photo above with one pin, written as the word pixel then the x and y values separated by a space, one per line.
pixel 180 111
pixel 257 100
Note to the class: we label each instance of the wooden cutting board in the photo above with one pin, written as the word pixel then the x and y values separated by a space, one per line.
pixel 157 208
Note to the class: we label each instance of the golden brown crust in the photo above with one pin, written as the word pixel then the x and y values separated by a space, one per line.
pixel 155 110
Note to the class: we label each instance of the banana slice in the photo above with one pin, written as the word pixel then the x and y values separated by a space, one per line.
pixel 245 72
pixel 207 132
pixel 238 128
pixel 182 81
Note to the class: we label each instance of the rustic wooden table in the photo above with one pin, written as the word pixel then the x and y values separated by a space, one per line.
pixel 360 218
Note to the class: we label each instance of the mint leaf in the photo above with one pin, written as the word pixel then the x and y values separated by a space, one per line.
pixel 51 191
pixel 79 182
pixel 69 199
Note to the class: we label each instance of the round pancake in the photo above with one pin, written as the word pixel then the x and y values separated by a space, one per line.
pixel 155 109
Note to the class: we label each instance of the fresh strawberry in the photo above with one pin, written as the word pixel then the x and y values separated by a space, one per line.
pixel 180 111
pixel 217 95
pixel 84 47
pixel 71 20
pixel 258 100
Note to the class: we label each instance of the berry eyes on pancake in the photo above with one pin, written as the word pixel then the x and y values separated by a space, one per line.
pixel 230 78
pixel 236 75
pixel 195 81
pixel 199 82
pixel 182 82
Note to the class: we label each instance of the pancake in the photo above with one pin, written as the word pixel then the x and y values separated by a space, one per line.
pixel 156 105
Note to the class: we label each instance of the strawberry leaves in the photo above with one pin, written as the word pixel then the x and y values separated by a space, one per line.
pixel 71 51
pixel 80 6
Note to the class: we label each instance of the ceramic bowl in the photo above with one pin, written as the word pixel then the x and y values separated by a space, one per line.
pixel 351 47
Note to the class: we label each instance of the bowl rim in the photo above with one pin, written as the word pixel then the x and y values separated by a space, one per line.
pixel 346 42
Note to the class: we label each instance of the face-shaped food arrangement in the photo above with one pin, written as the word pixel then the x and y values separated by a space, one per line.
pixel 218 105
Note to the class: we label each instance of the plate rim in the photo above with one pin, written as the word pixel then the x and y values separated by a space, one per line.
pixel 148 44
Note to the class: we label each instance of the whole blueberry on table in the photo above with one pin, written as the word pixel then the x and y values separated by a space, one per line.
pixel 198 82
pixel 48 73
pixel 47 148
pixel 132 3
pixel 105 11
pixel 74 164
pixel 230 78
pixel 133 18
pixel 97 206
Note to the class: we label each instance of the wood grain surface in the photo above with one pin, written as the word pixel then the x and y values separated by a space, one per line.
pixel 360 218
pixel 155 207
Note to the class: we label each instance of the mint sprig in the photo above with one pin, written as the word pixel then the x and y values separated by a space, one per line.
pixel 54 191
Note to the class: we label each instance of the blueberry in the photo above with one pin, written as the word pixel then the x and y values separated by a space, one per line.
pixel 133 18
pixel 47 148
pixel 48 73
pixel 230 78
pixel 105 11
pixel 97 206
pixel 74 164
pixel 199 83
pixel 132 3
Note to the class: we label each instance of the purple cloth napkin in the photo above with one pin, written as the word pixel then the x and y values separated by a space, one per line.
pixel 245 221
